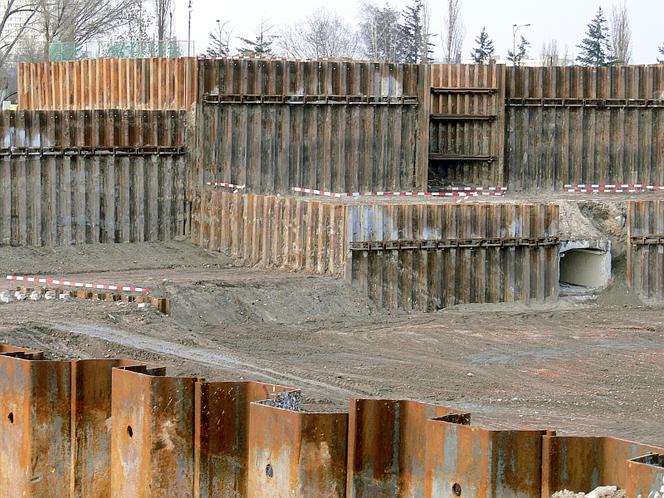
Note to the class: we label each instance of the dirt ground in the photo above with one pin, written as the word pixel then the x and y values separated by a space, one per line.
pixel 581 369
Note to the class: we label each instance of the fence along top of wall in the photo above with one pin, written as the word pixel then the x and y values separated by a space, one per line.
pixel 109 128
pixel 154 83
pixel 311 78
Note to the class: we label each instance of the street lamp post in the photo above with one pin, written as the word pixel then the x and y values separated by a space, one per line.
pixel 189 32
pixel 515 29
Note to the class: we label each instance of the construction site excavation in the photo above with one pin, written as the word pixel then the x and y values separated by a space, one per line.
pixel 279 278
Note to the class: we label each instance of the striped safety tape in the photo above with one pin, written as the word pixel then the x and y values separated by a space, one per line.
pixel 456 193
pixel 71 283
pixel 227 185
pixel 611 188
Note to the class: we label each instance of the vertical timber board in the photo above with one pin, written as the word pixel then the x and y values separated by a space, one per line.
pixel 107 83
pixel 423 132
pixel 645 261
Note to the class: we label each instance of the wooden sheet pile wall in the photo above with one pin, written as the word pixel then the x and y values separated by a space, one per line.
pixel 410 256
pixel 584 125
pixel 467 120
pixel 341 126
pixel 428 256
pixel 88 177
pixel 271 231
pixel 98 128
pixel 150 83
pixel 645 249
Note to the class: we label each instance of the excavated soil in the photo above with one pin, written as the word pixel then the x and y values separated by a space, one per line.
pixel 582 369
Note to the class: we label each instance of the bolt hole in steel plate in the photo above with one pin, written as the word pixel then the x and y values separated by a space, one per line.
pixel 456 489
pixel 268 470
pixel 10 417
pixel 130 431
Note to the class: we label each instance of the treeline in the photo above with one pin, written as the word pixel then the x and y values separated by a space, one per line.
pixel 383 33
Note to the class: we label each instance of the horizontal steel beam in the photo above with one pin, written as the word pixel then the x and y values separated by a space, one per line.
pixel 578 102
pixel 310 99
pixel 91 151
pixel 436 244
pixel 444 90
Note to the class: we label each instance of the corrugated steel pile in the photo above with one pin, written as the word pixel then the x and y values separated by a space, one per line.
pixel 124 428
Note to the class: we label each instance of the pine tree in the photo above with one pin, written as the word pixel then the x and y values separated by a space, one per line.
pixel 595 47
pixel 521 52
pixel 411 34
pixel 483 52
pixel 661 51
pixel 260 47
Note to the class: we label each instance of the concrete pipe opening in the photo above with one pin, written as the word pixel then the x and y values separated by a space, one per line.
pixel 585 266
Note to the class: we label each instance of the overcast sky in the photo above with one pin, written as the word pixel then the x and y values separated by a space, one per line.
pixel 562 20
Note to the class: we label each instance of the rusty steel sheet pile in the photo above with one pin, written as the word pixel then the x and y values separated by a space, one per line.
pixel 114 427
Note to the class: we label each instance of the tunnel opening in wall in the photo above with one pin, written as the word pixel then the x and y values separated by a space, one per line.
pixel 585 267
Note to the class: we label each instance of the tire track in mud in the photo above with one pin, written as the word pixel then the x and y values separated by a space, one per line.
pixel 223 359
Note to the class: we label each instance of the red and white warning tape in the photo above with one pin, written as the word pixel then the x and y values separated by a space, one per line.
pixel 480 191
pixel 611 188
pixel 227 185
pixel 71 283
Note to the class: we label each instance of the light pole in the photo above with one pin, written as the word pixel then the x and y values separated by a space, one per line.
pixel 189 32
pixel 515 29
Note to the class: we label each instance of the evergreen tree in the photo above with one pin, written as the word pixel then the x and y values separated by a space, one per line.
pixel 595 47
pixel 483 52
pixel 411 33
pixel 260 47
pixel 661 51
pixel 521 52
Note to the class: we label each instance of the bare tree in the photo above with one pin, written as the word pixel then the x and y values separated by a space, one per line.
pixel 163 12
pixel 321 35
pixel 11 31
pixel 550 55
pixel 17 18
pixel 453 33
pixel 426 44
pixel 78 21
pixel 379 32
pixel 621 35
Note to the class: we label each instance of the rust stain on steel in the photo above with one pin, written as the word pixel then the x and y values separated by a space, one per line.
pixel 646 476
pixel 581 463
pixel 35 438
pixel 295 453
pixel 474 462
pixel 152 448
pixel 221 435
pixel 90 426
pixel 387 447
